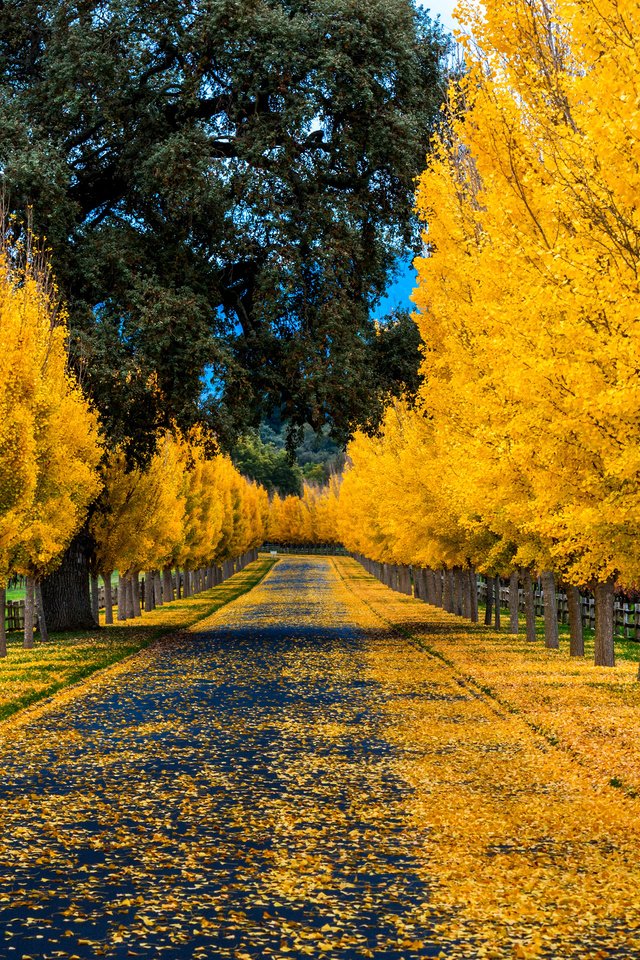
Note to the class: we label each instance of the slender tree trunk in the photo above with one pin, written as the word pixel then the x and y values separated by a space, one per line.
pixel 167 585
pixel 148 591
pixel 65 592
pixel 464 593
pixel 529 606
pixel 3 621
pixel 42 620
pixel 439 588
pixel 447 592
pixel 157 589
pixel 513 602
pixel 551 640
pixel 129 595
pixel 496 602
pixel 488 613
pixel 29 611
pixel 135 583
pixel 603 641
pixel 473 586
pixel 186 584
pixel 457 591
pixel 108 598
pixel 576 641
pixel 123 603
pixel 429 581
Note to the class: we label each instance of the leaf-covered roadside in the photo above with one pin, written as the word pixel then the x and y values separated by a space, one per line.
pixel 516 756
pixel 28 676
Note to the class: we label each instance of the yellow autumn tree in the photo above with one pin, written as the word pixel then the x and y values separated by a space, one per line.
pixel 49 437
pixel 528 297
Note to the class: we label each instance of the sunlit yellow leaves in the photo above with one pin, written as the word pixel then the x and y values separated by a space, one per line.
pixel 49 438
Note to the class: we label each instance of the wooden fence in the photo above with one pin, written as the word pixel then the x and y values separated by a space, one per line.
pixel 626 615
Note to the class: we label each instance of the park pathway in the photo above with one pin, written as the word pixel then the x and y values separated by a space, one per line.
pixel 230 795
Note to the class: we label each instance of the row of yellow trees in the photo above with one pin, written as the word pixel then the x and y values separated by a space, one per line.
pixel 187 509
pixel 524 452
pixel 309 519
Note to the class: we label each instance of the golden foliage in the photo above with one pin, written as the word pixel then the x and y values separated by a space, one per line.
pixel 525 446
pixel 49 438
pixel 311 518
pixel 186 508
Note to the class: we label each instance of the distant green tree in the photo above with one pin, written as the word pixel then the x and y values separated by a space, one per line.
pixel 268 465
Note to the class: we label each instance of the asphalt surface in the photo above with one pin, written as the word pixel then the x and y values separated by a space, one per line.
pixel 232 794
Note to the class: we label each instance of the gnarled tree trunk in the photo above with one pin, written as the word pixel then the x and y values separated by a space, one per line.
pixel 95 598
pixel 65 592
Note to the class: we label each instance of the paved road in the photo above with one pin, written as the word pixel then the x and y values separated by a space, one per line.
pixel 231 795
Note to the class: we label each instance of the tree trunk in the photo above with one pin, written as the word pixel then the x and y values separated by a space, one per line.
pixel 95 599
pixel 65 593
pixel 123 604
pixel 128 592
pixel 447 592
pixel 439 587
pixel 167 585
pixel 148 591
pixel 29 611
pixel 135 584
pixel 3 621
pixel 473 586
pixel 513 602
pixel 576 638
pixel 464 593
pixel 108 598
pixel 186 585
pixel 488 613
pixel 42 620
pixel 496 602
pixel 604 654
pixel 429 581
pixel 551 640
pixel 157 589
pixel 457 591
pixel 529 606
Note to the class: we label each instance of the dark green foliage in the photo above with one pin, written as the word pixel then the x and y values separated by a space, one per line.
pixel 225 186
pixel 270 466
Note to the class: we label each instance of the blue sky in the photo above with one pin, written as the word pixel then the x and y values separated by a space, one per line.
pixel 400 290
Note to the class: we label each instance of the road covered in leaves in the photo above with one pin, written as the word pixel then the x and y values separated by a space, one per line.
pixel 302 775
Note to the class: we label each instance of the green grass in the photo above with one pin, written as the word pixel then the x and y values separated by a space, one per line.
pixel 27 676
pixel 625 649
